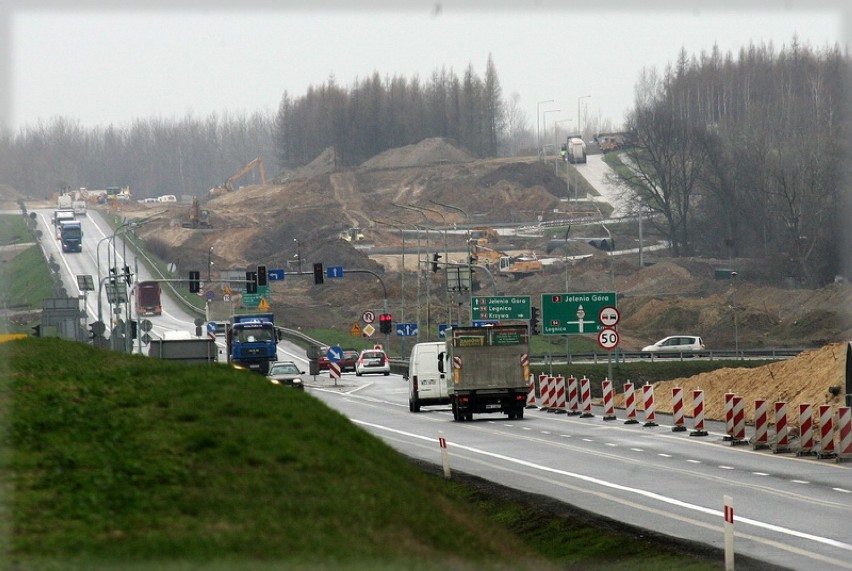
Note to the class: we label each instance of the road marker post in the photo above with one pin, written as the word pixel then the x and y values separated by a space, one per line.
pixel 650 407
pixel 586 397
pixel 782 433
pixel 677 409
pixel 729 532
pixel 698 413
pixel 445 457
pixel 630 403
pixel 729 416
pixel 761 425
pixel 608 404
pixel 531 393
pixel 806 430
pixel 844 414
pixel 559 407
pixel 573 406
pixel 738 418
pixel 826 431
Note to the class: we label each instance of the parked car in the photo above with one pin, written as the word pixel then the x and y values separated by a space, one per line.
pixel 675 345
pixel 372 361
pixel 286 373
pixel 347 363
pixel 322 360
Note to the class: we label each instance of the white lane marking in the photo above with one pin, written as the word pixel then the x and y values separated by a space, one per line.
pixel 620 487
pixel 722 467
pixel 664 455
pixel 760 473
pixel 842 491
pixel 800 481
pixel 694 461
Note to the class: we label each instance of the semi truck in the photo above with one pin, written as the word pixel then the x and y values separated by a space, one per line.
pixel 190 350
pixel 490 370
pixel 575 150
pixel 71 235
pixel 253 341
pixel 148 298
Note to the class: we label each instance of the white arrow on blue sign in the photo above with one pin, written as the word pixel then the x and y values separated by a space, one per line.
pixel 406 329
pixel 334 272
pixel 442 329
pixel 334 353
pixel 275 275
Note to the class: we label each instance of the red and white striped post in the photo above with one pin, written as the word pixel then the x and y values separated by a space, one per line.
pixel 845 427
pixel 698 413
pixel 761 425
pixel 559 407
pixel 544 387
pixel 531 393
pixel 782 433
pixel 650 406
pixel 573 404
pixel 729 415
pixel 826 431
pixel 677 409
pixel 738 436
pixel 334 372
pixel 445 457
pixel 729 532
pixel 586 397
pixel 608 403
pixel 806 429
pixel 630 403
pixel 551 394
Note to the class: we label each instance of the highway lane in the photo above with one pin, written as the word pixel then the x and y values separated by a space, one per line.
pixel 791 511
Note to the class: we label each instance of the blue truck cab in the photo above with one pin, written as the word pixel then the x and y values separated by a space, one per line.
pixel 71 235
pixel 253 342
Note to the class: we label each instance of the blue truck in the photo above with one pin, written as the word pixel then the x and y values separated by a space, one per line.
pixel 71 235
pixel 253 341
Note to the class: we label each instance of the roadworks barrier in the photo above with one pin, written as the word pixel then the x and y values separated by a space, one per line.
pixel 698 413
pixel 630 403
pixel 572 396
pixel 826 432
pixel 806 430
pixel 559 399
pixel 677 410
pixel 844 414
pixel 608 400
pixel 761 425
pixel 782 428
pixel 531 393
pixel 650 405
pixel 586 397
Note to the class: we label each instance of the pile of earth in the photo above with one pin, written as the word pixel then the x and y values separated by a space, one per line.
pixel 433 151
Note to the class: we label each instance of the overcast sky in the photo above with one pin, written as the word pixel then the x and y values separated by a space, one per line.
pixel 101 67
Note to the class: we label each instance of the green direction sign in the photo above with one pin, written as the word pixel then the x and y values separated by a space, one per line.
pixel 573 313
pixel 500 308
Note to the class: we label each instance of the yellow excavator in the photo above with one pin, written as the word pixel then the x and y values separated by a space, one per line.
pixel 198 218
pixel 229 184
pixel 516 266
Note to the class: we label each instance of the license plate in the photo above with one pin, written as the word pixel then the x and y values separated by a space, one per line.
pixel 489 406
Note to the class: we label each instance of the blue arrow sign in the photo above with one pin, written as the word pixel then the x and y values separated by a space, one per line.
pixel 275 275
pixel 406 329
pixel 334 353
pixel 334 272
pixel 442 329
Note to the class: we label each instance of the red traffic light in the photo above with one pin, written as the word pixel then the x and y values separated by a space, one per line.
pixel 385 323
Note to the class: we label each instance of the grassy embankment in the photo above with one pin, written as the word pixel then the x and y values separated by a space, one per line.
pixel 113 461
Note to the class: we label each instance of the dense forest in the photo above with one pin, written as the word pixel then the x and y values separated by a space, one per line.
pixel 736 155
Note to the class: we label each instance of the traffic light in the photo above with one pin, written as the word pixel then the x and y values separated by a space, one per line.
pixel 92 332
pixel 113 272
pixel 194 281
pixel 534 330
pixel 134 329
pixel 261 276
pixel 318 275
pixel 385 323
pixel 435 257
pixel 128 277
pixel 251 282
pixel 605 244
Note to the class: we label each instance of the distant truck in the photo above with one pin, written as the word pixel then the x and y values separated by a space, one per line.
pixel 575 150
pixel 60 215
pixel 79 207
pixel 490 370
pixel 71 235
pixel 148 298
pixel 65 202
pixel 193 350
pixel 253 342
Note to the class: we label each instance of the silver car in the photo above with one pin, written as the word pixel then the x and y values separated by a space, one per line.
pixel 676 344
pixel 286 373
pixel 372 361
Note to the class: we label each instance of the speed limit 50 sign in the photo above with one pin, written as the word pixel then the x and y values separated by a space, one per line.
pixel 608 338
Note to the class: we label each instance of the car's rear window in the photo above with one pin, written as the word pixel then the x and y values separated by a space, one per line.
pixel 374 355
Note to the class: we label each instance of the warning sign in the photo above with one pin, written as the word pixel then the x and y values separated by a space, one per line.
pixel 355 330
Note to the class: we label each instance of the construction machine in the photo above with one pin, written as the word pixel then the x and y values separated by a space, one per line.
pixel 353 234
pixel 516 266
pixel 484 235
pixel 198 218
pixel 229 184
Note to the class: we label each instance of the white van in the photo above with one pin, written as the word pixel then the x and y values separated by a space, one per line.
pixel 426 385
pixel 167 198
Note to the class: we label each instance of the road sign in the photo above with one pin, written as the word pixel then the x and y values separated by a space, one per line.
pixel 484 323
pixel 608 338
pixel 250 299
pixel 275 275
pixel 334 353
pixel 334 272
pixel 355 330
pixel 442 329
pixel 500 308
pixel 609 316
pixel 573 313
pixel 209 294
pixel 406 329
pixel 369 330
pixel 368 317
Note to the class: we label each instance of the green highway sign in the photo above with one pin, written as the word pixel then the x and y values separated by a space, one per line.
pixel 500 308
pixel 573 313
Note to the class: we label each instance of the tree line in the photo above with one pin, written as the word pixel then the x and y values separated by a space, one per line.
pixel 742 156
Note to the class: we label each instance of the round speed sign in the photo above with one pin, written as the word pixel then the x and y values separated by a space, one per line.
pixel 609 316
pixel 608 338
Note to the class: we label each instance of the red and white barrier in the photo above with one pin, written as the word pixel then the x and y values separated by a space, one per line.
pixel 573 399
pixel 761 425
pixel 806 429
pixel 544 387
pixel 531 393
pixel 826 431
pixel 729 415
pixel 782 434
pixel 559 400
pixel 630 403
pixel 608 400
pixel 586 397
pixel 677 409
pixel 738 435
pixel 551 394
pixel 650 406
pixel 845 428
pixel 698 413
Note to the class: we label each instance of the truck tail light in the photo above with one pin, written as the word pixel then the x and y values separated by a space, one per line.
pixel 464 400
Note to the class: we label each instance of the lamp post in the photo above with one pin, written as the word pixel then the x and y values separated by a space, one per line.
pixel 209 264
pixel 544 117
pixel 419 270
pixel 612 277
pixel 579 124
pixel 467 242
pixel 396 224
pixel 298 253
pixel 734 309
pixel 538 122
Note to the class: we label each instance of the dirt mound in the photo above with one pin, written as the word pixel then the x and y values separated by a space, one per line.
pixel 425 153
pixel 325 163
pixel 526 175
pixel 803 379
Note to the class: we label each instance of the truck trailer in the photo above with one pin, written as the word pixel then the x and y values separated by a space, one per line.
pixel 490 370
pixel 71 235
pixel 253 341
pixel 148 298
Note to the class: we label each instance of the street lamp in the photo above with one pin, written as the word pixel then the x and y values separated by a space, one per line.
pixel 298 253
pixel 579 125
pixel 734 309
pixel 467 241
pixel 538 122
pixel 544 117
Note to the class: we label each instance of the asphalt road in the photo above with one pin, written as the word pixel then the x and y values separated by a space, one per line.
pixel 794 512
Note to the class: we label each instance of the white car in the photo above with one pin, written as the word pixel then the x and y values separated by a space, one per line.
pixel 372 361
pixel 676 344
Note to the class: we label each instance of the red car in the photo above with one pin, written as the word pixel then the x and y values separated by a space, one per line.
pixel 347 363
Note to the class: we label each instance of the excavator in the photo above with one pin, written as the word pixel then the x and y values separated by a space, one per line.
pixel 229 184
pixel 515 266
pixel 197 218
